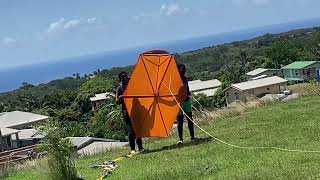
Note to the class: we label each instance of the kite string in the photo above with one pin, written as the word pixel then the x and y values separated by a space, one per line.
pixel 232 145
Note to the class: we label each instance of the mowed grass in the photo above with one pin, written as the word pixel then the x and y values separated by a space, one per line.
pixel 292 125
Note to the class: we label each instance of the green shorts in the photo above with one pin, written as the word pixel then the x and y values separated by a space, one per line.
pixel 186 107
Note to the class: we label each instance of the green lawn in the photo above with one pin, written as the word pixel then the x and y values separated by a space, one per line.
pixel 293 125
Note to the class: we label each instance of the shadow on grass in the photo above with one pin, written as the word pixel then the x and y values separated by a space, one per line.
pixel 175 146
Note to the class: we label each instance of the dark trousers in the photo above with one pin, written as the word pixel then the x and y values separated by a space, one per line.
pixel 190 125
pixel 131 135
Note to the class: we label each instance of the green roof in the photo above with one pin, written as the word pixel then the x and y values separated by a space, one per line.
pixel 299 64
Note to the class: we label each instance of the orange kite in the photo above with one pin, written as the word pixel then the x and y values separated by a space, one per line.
pixel 149 102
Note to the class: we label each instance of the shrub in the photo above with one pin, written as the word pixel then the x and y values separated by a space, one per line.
pixel 59 150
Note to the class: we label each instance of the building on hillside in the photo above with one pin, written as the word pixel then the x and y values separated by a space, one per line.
pixel 16 122
pixel 301 71
pixel 100 99
pixel 242 91
pixel 207 88
pixel 262 73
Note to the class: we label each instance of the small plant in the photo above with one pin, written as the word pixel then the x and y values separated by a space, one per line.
pixel 313 88
pixel 59 150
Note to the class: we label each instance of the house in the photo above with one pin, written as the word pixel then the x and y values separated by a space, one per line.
pixel 15 126
pixel 100 99
pixel 301 71
pixel 262 73
pixel 91 145
pixel 208 88
pixel 242 91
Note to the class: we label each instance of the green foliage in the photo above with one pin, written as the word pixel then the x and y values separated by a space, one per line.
pixel 108 123
pixel 97 85
pixel 202 102
pixel 59 150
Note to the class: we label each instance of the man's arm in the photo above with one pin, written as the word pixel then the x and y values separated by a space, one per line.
pixel 119 97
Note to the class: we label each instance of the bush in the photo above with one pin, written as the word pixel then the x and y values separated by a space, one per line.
pixel 59 150
pixel 108 123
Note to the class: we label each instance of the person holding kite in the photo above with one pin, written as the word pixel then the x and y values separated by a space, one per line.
pixel 123 77
pixel 187 109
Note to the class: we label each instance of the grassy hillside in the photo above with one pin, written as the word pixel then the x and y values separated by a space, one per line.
pixel 293 125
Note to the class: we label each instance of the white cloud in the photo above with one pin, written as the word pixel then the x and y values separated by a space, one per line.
pixel 171 9
pixel 62 24
pixel 92 20
pixel 56 26
pixel 250 2
pixel 72 23
pixel 8 41
pixel 165 10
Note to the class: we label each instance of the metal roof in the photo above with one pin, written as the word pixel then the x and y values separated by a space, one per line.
pixel 207 92
pixel 259 83
pixel 102 96
pixel 256 71
pixel 195 81
pixel 8 131
pixel 17 118
pixel 299 64
pixel 98 147
pixel 79 142
pixel 25 134
pixel 259 77
pixel 203 85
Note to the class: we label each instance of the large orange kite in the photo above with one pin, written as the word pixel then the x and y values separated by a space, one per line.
pixel 149 102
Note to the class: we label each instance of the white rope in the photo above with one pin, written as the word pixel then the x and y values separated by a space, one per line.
pixel 232 145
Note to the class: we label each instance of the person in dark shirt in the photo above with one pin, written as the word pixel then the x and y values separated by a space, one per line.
pixel 123 77
pixel 186 107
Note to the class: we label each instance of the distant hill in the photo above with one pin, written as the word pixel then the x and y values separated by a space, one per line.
pixel 11 79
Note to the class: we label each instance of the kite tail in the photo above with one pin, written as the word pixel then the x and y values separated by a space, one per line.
pixel 232 145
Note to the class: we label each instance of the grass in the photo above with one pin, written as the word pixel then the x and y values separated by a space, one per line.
pixel 293 125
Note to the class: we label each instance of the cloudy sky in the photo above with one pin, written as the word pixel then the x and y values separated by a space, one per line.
pixel 37 31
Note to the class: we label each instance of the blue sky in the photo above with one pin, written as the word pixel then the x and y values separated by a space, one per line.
pixel 37 31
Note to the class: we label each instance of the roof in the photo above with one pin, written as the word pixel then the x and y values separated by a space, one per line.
pixel 25 134
pixel 195 81
pixel 259 83
pixel 17 118
pixel 8 131
pixel 207 92
pixel 299 64
pixel 202 85
pixel 259 77
pixel 102 96
pixel 256 71
pixel 98 147
pixel 80 142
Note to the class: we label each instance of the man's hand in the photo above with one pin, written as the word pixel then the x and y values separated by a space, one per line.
pixel 119 99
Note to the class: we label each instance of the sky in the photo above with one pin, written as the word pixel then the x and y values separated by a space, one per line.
pixel 39 31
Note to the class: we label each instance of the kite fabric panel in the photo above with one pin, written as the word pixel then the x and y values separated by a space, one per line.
pixel 149 102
